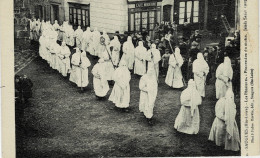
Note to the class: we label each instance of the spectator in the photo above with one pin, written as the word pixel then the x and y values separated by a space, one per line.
pixel 156 32
pixel 186 32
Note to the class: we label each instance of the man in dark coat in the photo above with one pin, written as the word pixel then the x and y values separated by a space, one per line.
pixel 186 32
pixel 23 88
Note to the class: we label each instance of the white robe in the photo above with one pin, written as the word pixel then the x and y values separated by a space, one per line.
pixel 116 51
pixel 129 54
pixel 219 133
pixel 100 83
pixel 64 60
pixel 79 72
pixel 140 62
pixel 47 53
pixel 70 37
pixel 109 68
pixel 54 50
pixel 78 35
pixel 222 81
pixel 37 29
pixel 200 70
pixel 148 94
pixel 56 27
pixel 86 40
pixel 155 61
pixel 60 33
pixel 42 47
pixel 34 32
pixel 120 94
pixel 66 33
pixel 174 74
pixel 188 119
pixel 95 43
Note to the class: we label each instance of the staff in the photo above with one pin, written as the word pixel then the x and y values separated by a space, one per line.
pixel 183 80
pixel 102 42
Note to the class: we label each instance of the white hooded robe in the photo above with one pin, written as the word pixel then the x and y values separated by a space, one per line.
pixel 200 70
pixel 224 75
pixel 64 60
pixel 120 94
pixel 148 86
pixel 129 50
pixel 140 59
pixel 79 70
pixel 100 83
pixel 116 50
pixel 78 35
pixel 174 75
pixel 188 119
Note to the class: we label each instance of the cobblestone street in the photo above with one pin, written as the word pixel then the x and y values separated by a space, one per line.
pixel 23 55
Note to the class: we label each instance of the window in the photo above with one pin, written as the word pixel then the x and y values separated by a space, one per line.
pixel 79 16
pixel 137 21
pixel 143 20
pixel 196 12
pixel 189 12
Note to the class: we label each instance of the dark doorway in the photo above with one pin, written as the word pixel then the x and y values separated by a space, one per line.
pixel 38 12
pixel 167 13
pixel 55 12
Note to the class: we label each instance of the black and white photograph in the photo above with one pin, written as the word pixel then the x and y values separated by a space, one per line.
pixel 127 78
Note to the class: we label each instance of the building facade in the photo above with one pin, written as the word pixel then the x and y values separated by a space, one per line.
pixel 206 14
pixel 128 15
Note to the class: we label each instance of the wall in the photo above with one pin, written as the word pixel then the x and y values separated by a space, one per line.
pixel 109 15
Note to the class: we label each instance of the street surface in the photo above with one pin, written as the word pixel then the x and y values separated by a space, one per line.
pixel 60 121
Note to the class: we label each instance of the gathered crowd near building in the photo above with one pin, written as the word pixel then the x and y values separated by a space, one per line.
pixel 151 39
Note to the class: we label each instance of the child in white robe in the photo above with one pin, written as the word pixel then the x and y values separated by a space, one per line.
pixel 148 86
pixel 54 50
pixel 116 46
pixel 109 67
pixel 64 59
pixel 153 58
pixel 120 94
pixel 224 130
pixel 100 83
pixel 188 119
pixel 86 39
pixel 95 42
pixel 200 70
pixel 128 50
pixel 140 62
pixel 224 75
pixel 174 75
pixel 79 71
pixel 78 35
